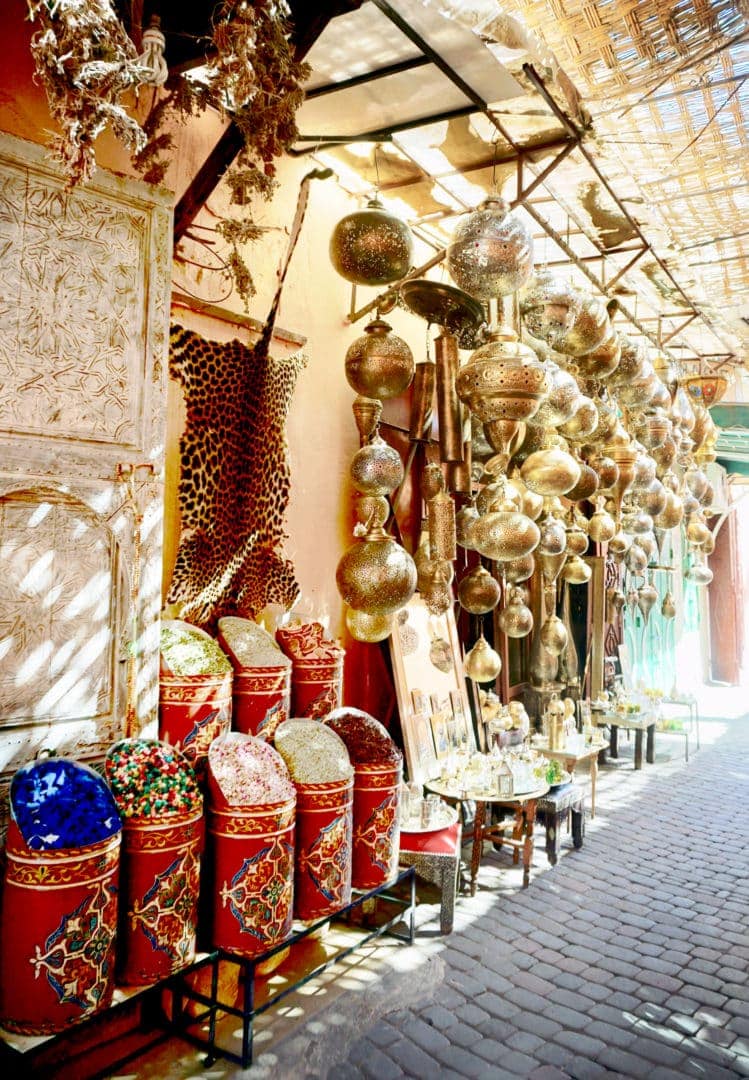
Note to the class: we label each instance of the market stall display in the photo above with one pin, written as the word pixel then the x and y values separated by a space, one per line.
pixel 161 807
pixel 378 771
pixel 320 768
pixel 59 916
pixel 250 845
pixel 262 676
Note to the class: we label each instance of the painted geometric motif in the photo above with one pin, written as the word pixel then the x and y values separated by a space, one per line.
pixel 377 834
pixel 328 859
pixel 77 957
pixel 168 912
pixel 260 895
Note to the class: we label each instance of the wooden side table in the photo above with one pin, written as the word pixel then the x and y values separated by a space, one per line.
pixel 521 840
pixel 572 759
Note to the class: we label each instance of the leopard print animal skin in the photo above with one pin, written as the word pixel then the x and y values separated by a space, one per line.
pixel 235 479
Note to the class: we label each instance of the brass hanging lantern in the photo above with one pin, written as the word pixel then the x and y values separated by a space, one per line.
pixel 505 535
pixel 601 526
pixel 482 664
pixel 586 486
pixel 376 469
pixel 516 618
pixel 577 541
pixel 602 361
pixel 465 519
pixel 561 401
pixel 549 307
pixel 491 253
pixel 379 364
pixel 369 628
pixel 668 607
pixel 502 379
pixel 631 362
pixel 371 246
pixel 376 575
pixel 589 329
pixel 517 570
pixel 478 592
pixel 553 635
pixel 553 539
pixel 647 598
pixel 575 571
pixel 582 423
pixel 550 472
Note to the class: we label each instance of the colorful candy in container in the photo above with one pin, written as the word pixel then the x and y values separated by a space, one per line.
pixel 378 772
pixel 195 690
pixel 59 918
pixel 157 795
pixel 250 844
pixel 262 676
pixel 317 669
pixel 321 770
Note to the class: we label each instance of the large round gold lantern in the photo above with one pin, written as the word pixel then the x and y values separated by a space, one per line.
pixel 631 362
pixel 553 539
pixel 553 635
pixel 586 486
pixel 379 364
pixel 371 246
pixel 516 618
pixel 582 423
pixel 491 253
pixel 575 571
pixel 521 569
pixel 376 575
pixel 601 526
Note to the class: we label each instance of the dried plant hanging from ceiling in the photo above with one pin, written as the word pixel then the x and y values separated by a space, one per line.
pixel 87 63
pixel 667 88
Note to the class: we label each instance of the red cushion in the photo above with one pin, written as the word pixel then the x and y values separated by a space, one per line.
pixel 440 842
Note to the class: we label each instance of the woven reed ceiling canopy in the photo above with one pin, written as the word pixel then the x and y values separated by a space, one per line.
pixel 642 102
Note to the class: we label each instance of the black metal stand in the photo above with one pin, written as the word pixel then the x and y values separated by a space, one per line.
pixel 182 1022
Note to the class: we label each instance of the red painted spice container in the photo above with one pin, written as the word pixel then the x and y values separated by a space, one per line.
pixel 57 934
pixel 251 857
pixel 316 687
pixel 324 823
pixel 378 773
pixel 261 699
pixel 160 884
pixel 193 711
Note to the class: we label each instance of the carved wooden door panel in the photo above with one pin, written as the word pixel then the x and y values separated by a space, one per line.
pixel 84 284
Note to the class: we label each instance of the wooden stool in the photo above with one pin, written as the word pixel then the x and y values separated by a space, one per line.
pixel 436 857
pixel 554 810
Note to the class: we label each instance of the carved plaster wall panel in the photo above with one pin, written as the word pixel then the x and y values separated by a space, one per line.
pixel 84 291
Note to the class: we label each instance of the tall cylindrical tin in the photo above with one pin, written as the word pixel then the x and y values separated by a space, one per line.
pixel 57 934
pixel 316 686
pixel 376 824
pixel 448 404
pixel 262 698
pixel 251 857
pixel 193 711
pixel 322 871
pixel 160 882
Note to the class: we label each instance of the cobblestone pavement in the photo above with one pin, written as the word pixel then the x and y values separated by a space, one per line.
pixel 630 958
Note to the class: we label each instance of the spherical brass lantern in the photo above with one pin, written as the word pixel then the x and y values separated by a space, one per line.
pixel 478 592
pixel 376 469
pixel 465 519
pixel 504 535
pixel 575 571
pixel 589 330
pixel 631 362
pixel 582 423
pixel 371 246
pixel 553 539
pixel 516 618
pixel 482 663
pixel 549 307
pixel 491 253
pixel 601 527
pixel 602 361
pixel 370 628
pixel 376 575
pixel 550 472
pixel 562 399
pixel 517 570
pixel 586 486
pixel 553 635
pixel 379 364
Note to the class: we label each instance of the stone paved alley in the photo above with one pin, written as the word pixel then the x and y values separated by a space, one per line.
pixel 629 958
